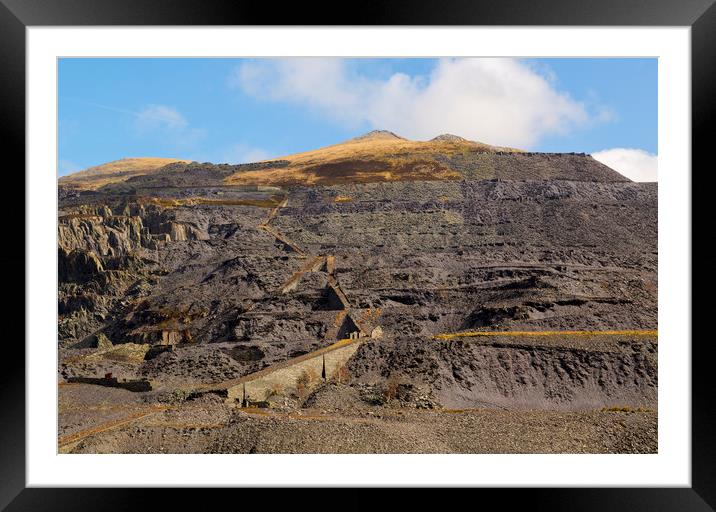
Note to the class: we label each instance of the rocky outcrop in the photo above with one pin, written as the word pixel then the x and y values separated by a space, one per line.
pixel 103 235
pixel 108 234
pixel 182 232
pixel 78 266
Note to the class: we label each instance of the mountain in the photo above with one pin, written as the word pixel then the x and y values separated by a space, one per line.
pixel 378 156
pixel 115 172
pixel 383 156
pixel 445 274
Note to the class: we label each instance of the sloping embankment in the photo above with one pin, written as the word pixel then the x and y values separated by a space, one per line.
pixel 522 372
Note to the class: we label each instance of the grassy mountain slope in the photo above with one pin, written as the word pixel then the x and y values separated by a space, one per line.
pixel 115 172
pixel 376 156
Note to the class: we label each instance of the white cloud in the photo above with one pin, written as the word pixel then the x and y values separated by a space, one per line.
pixel 635 164
pixel 168 127
pixel 498 101
pixel 160 116
pixel 243 153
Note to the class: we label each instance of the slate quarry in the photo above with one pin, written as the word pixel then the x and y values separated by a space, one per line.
pixel 218 277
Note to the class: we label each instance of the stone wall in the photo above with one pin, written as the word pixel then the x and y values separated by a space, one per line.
pixel 283 380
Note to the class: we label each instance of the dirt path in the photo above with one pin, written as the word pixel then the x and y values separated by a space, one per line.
pixel 66 443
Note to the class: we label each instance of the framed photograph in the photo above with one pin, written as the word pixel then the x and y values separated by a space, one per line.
pixel 437 247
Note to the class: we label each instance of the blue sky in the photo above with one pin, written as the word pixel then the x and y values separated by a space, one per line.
pixel 237 110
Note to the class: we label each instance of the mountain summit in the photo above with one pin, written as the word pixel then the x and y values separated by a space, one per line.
pixel 448 137
pixel 378 134
pixel 377 156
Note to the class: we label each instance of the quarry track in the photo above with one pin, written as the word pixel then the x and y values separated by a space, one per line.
pixel 72 439
pixel 473 334
pixel 283 239
pixel 265 226
pixel 312 264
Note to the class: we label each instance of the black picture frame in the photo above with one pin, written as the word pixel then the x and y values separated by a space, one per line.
pixel 700 15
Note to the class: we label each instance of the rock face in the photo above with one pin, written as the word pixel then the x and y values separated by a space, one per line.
pixel 78 265
pixel 106 236
pixel 243 274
